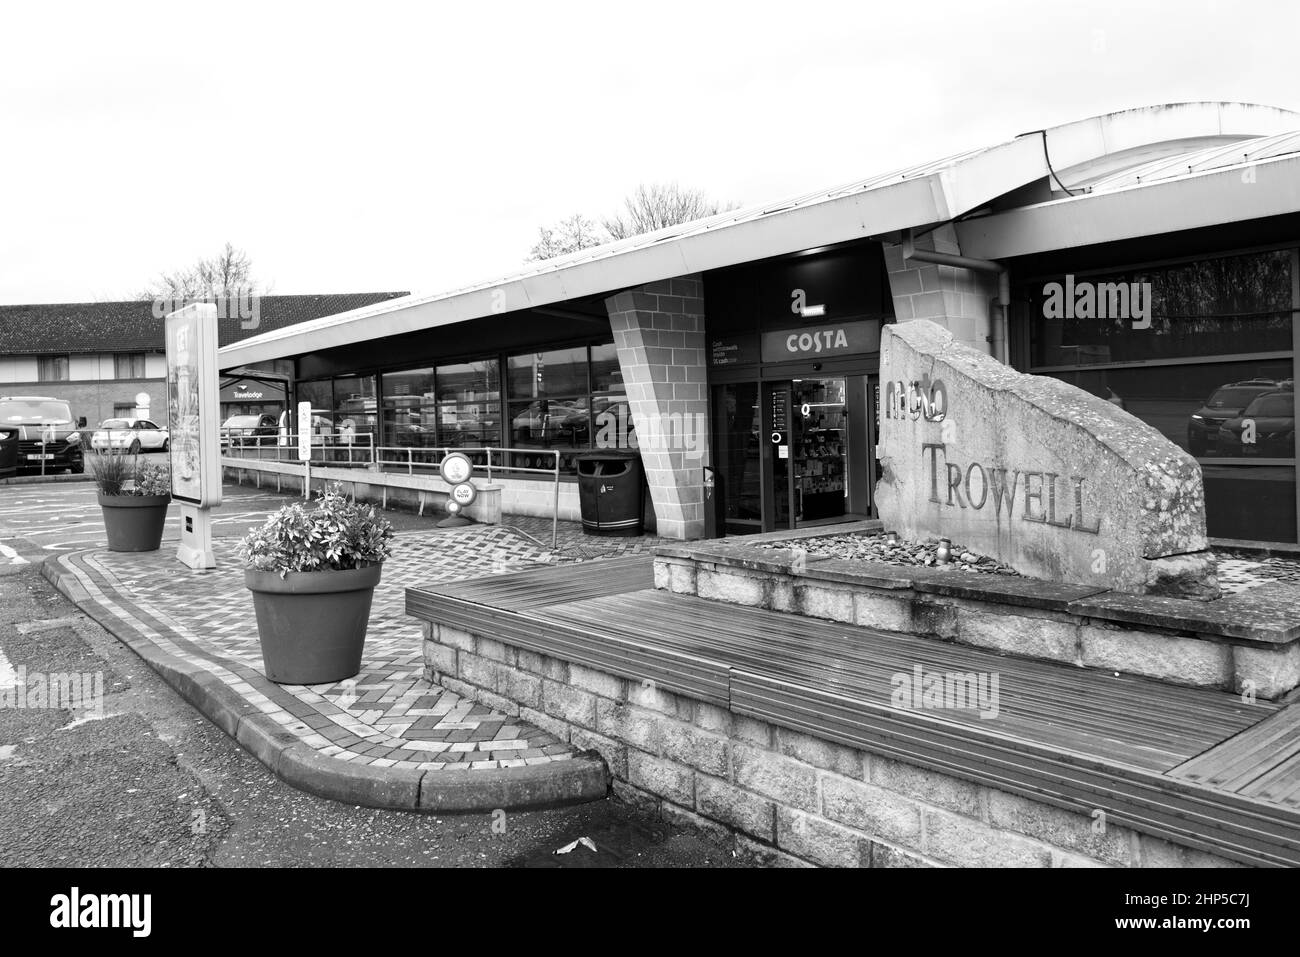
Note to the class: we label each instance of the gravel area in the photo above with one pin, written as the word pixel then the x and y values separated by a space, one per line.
pixel 875 548
pixel 1238 571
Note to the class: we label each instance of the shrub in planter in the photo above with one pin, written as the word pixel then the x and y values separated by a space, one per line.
pixel 313 574
pixel 134 500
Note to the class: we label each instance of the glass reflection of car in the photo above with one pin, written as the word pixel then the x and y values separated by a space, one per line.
pixel 1227 402
pixel 130 435
pixel 611 419
pixel 243 430
pixel 543 419
pixel 1273 418
pixel 48 438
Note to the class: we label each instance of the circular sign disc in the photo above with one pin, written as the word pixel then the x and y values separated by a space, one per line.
pixel 456 468
pixel 464 494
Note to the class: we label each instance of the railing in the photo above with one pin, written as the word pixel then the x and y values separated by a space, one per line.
pixel 333 448
pixel 330 449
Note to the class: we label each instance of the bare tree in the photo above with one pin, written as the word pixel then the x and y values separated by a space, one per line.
pixel 226 274
pixel 567 236
pixel 658 206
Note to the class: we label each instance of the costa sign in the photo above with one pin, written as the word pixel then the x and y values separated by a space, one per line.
pixel 841 339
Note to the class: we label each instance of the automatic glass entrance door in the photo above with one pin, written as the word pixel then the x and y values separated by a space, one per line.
pixel 806 452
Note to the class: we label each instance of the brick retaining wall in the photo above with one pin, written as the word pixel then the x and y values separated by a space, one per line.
pixel 779 795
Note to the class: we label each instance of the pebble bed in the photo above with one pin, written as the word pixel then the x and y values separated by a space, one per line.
pixel 875 548
pixel 1237 570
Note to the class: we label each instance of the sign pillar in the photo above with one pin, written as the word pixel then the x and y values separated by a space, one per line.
pixel 193 418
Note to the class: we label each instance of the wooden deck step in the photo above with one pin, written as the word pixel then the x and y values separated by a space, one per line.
pixel 1160 758
pixel 1262 761
pixel 1139 721
pixel 548 584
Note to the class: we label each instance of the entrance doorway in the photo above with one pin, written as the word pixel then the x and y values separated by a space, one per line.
pixel 793 453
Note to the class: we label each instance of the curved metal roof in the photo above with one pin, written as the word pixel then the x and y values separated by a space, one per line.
pixel 1201 161
pixel 915 197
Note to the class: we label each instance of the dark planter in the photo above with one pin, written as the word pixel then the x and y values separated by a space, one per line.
pixel 312 625
pixel 134 522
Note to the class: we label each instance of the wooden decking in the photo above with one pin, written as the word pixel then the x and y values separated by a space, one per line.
pixel 1200 767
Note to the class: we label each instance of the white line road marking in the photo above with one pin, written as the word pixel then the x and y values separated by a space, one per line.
pixel 8 677
pixel 13 556
pixel 47 624
pixel 90 716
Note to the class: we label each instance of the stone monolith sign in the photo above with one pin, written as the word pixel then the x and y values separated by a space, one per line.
pixel 1053 481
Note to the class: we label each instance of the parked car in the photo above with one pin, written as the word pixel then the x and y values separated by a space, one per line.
pixel 1273 416
pixel 48 438
pixel 242 430
pixel 130 435
pixel 8 451
pixel 1227 402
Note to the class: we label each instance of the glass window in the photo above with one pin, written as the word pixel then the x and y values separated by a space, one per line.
pixel 128 365
pixel 1256 503
pixel 606 374
pixel 560 373
pixel 1206 409
pixel 469 404
pixel 356 411
pixel 1223 306
pixel 1225 410
pixel 52 368
pixel 551 406
pixel 410 409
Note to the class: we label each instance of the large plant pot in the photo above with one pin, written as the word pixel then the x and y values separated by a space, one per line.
pixel 134 523
pixel 312 625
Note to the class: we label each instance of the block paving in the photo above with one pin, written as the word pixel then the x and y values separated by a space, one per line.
pixel 387 716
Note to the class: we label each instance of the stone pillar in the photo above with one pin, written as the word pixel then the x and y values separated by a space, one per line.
pixel 960 300
pixel 659 333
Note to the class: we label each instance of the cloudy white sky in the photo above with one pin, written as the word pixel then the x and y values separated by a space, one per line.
pixel 382 146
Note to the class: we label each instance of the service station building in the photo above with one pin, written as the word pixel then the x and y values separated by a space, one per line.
pixel 1148 257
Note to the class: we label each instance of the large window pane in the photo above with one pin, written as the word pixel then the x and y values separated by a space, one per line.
pixel 606 374
pixel 1240 409
pixel 1254 502
pixel 319 393
pixel 1222 306
pixel 410 410
pixel 1215 411
pixel 356 415
pixel 558 373
pixel 469 404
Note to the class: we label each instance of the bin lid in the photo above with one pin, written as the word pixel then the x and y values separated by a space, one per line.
pixel 606 455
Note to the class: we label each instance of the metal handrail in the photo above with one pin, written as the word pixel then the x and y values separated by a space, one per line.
pixel 442 451
pixel 284 445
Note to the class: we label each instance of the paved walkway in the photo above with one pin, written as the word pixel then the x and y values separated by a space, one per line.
pixel 387 737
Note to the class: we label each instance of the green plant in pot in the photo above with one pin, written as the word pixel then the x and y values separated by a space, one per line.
pixel 313 572
pixel 134 499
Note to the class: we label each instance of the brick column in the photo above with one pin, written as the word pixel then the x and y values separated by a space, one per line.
pixel 659 333
pixel 958 299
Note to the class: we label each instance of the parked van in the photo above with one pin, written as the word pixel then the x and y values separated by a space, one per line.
pixel 48 438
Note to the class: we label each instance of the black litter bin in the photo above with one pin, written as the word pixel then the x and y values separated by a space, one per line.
pixel 609 492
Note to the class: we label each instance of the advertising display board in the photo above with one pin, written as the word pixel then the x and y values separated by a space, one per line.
pixel 193 422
